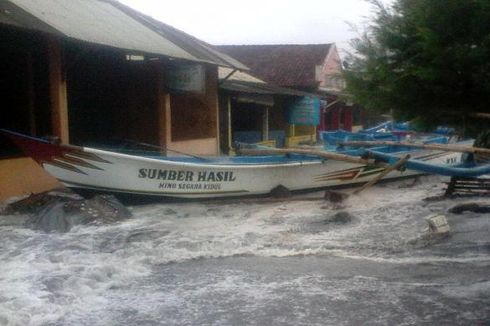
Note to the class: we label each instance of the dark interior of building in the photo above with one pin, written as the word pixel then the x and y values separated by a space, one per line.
pixel 23 85
pixel 109 97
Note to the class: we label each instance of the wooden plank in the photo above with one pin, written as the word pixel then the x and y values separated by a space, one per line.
pixel 450 187
pixel 22 176
pixel 468 186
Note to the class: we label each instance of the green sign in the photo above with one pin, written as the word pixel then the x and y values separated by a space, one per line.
pixel 304 111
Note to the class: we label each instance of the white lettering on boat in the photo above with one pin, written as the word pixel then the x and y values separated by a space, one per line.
pixel 186 176
pixel 215 176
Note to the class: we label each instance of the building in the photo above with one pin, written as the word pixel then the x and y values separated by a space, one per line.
pixel 313 68
pixel 95 72
pixel 253 111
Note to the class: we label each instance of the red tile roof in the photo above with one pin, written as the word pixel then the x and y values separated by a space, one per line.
pixel 287 65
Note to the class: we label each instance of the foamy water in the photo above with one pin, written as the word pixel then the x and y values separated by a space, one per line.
pixel 252 263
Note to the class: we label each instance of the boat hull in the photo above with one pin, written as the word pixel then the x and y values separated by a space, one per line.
pixel 105 171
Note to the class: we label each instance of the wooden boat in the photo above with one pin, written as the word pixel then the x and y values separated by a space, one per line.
pixel 206 177
pixel 466 167
pixel 385 147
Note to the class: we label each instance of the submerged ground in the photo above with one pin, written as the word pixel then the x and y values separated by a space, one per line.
pixel 369 262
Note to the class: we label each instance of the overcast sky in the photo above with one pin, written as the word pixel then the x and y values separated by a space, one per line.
pixel 261 21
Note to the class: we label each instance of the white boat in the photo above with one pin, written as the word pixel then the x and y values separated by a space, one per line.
pixel 208 177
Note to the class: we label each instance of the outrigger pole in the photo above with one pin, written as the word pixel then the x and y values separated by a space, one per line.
pixel 383 159
pixel 323 154
pixel 398 165
pixel 440 147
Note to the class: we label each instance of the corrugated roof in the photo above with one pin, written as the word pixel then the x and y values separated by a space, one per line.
pixel 191 44
pixel 243 82
pixel 261 88
pixel 10 14
pixel 110 23
pixel 288 65
pixel 101 23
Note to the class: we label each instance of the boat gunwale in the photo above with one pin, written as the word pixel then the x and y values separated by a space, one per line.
pixel 204 164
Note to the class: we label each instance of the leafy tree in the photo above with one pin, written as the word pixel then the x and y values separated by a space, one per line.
pixel 425 59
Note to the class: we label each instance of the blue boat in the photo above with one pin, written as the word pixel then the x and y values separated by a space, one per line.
pixel 397 135
pixel 465 168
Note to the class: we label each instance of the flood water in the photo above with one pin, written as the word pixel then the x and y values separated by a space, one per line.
pixel 369 262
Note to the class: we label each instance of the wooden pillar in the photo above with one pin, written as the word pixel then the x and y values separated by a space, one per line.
pixel 168 119
pixel 265 124
pixel 335 116
pixel 57 90
pixel 31 95
pixel 215 104
pixel 163 113
pixel 291 131
pixel 164 121
pixel 211 94
pixel 348 118
pixel 229 124
pixel 322 127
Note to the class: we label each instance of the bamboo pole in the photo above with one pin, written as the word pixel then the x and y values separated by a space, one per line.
pixel 480 115
pixel 440 147
pixel 323 154
pixel 389 169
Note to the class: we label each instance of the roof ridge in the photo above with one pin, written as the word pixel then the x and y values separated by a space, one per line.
pixel 286 65
pixel 278 44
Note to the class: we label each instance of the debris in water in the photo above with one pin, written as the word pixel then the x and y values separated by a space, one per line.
pixel 470 207
pixel 35 202
pixel 280 192
pixel 335 196
pixel 60 212
pixel 479 186
pixel 342 218
pixel 438 224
